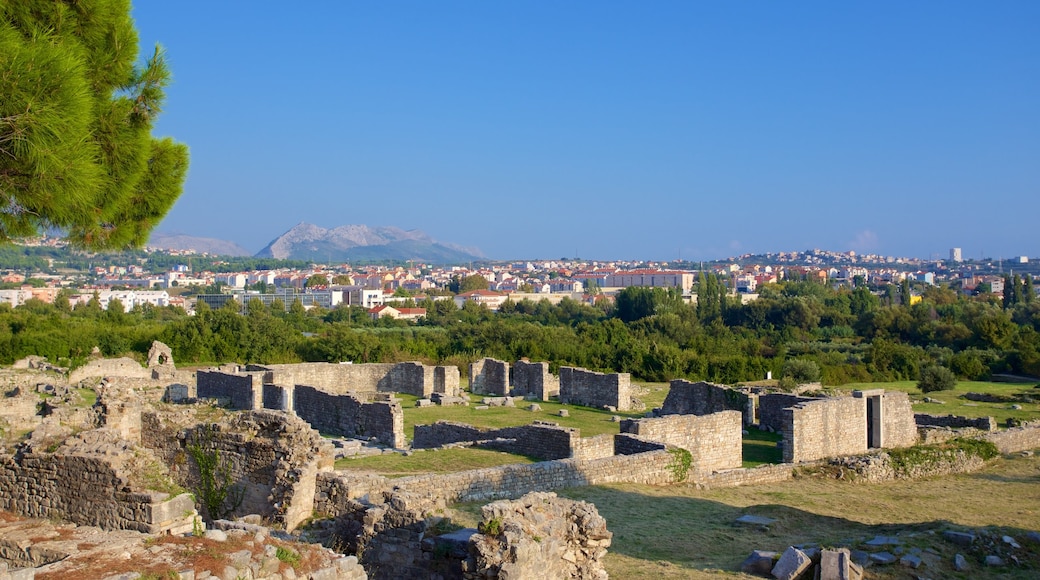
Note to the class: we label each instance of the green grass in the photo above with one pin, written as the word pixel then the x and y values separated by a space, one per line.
pixel 953 404
pixel 87 397
pixel 590 421
pixel 760 448
pixel 432 461
pixel 684 532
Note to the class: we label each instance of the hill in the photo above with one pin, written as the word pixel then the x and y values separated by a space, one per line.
pixel 360 242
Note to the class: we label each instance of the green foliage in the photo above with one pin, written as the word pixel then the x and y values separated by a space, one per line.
pixel 76 151
pixel 680 463
pixel 906 461
pixel 217 492
pixel 801 371
pixel 936 378
pixel 492 527
pixel 290 557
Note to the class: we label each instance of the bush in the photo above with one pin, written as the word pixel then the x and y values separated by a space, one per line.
pixel 801 370
pixel 936 378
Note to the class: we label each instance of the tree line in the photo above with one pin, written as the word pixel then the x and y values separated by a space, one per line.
pixel 796 329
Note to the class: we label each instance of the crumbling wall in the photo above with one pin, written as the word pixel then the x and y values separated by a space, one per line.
pixel 591 389
pixel 771 409
pixel 349 416
pixel 701 398
pixel 447 381
pixel 533 380
pixel 278 397
pixel 539 439
pixel 19 410
pixel 86 481
pixel 714 441
pixel 542 536
pixel 825 428
pixel 110 367
pixel 955 422
pixel 489 376
pixel 243 391
pixel 273 460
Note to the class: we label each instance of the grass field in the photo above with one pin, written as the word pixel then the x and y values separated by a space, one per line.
pixel 953 404
pixel 683 532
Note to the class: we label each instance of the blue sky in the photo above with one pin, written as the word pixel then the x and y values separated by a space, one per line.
pixel 628 130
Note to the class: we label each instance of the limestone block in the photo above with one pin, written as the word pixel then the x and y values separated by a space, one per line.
pixel 791 565
pixel 759 562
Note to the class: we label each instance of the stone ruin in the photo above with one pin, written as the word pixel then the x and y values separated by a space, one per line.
pixel 489 376
pixel 533 380
pixel 579 386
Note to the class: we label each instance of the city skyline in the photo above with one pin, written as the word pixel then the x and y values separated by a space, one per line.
pixel 609 130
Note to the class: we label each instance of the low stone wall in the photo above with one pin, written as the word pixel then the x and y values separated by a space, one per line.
pixel 627 444
pixel 825 428
pixel 714 441
pixel 337 489
pixel 746 476
pixel 591 389
pixel 489 376
pixel 243 391
pixel 1015 439
pixel 19 409
pixel 110 367
pixel 955 422
pixel 87 488
pixel 349 416
pixel 533 380
pixel 701 398
pixel 771 409
pixel 540 440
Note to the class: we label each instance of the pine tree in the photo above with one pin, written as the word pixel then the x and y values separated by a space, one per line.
pixel 76 151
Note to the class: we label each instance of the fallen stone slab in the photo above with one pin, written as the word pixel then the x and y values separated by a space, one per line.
pixel 960 563
pixel 884 541
pixel 994 561
pixel 759 562
pixel 883 558
pixel 861 558
pixel 910 561
pixel 959 538
pixel 752 520
pixel 1011 542
pixel 791 565
pixel 534 407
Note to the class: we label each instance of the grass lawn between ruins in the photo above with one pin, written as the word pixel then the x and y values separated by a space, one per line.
pixel 681 531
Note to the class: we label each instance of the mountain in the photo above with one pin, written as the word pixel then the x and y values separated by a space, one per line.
pixel 201 245
pixel 359 242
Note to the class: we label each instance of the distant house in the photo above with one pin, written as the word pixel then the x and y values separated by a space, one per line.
pixel 488 298
pixel 396 313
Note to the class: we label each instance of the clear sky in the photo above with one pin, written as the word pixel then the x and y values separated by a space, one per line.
pixel 629 130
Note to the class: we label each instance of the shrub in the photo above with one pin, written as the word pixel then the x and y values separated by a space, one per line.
pixel 936 378
pixel 801 370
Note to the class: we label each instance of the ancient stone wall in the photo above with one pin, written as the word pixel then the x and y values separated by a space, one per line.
pixel 18 409
pixel 897 416
pixel 628 444
pixel 242 391
pixel 337 489
pixel 701 398
pixel 714 441
pixel 746 476
pixel 955 422
pixel 87 487
pixel 272 459
pixel 349 416
pixel 771 409
pixel 596 447
pixel 412 378
pixel 540 440
pixel 489 376
pixel 110 367
pixel 583 387
pixel 278 397
pixel 824 428
pixel 533 380
pixel 1016 439
pixel 446 381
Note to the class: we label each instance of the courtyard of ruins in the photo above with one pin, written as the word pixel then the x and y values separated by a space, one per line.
pixel 279 452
